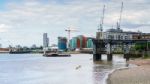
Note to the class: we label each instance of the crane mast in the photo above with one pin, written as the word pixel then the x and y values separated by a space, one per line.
pixel 120 18
pixel 69 30
pixel 102 20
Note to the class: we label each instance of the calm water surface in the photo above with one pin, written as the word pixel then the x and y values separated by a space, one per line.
pixel 36 69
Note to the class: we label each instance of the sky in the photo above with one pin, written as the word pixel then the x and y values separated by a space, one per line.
pixel 23 22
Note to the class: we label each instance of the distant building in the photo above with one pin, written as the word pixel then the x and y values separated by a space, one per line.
pixel 4 49
pixel 81 42
pixel 62 43
pixel 145 36
pixel 142 36
pixel 45 40
pixel 89 43
pixel 33 46
pixel 114 34
pixel 78 42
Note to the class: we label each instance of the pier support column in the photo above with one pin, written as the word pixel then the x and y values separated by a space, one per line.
pixel 97 57
pixel 127 56
pixel 97 50
pixel 126 52
pixel 109 52
pixel 109 57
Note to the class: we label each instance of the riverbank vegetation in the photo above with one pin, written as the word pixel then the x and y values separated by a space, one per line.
pixel 141 50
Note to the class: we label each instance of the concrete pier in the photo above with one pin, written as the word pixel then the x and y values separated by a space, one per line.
pixel 126 52
pixel 105 46
pixel 97 50
pixel 109 57
pixel 127 56
pixel 97 57
pixel 109 52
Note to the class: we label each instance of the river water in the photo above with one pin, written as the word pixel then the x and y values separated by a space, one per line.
pixel 36 69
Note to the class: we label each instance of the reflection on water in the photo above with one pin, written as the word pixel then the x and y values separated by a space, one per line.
pixel 102 68
pixel 36 69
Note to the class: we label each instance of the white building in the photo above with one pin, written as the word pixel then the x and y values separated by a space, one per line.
pixel 45 40
pixel 115 34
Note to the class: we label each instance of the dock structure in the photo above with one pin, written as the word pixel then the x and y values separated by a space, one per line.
pixel 105 41
pixel 104 46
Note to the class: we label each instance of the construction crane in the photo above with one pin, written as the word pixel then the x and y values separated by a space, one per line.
pixel 120 18
pixel 69 30
pixel 100 29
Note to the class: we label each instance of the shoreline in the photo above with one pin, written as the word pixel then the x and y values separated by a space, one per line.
pixel 131 75
pixel 107 81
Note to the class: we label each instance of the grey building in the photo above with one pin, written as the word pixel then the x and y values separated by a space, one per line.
pixel 45 40
pixel 115 34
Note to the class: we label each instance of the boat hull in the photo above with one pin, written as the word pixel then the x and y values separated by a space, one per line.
pixel 57 55
pixel 19 52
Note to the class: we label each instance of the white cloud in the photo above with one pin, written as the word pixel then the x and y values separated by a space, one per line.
pixel 54 17
pixel 4 28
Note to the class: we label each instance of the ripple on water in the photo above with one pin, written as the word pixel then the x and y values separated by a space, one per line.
pixel 36 69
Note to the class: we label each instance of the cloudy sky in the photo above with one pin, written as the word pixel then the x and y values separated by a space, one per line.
pixel 24 21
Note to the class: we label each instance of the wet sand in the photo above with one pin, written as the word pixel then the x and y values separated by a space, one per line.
pixel 135 75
